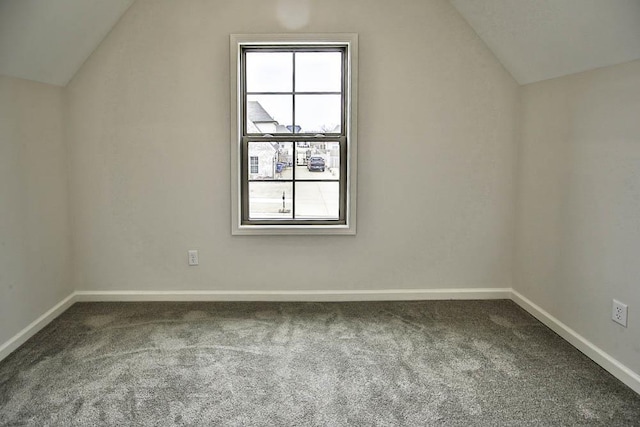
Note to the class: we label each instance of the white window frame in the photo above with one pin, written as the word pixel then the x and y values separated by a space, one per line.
pixel 237 41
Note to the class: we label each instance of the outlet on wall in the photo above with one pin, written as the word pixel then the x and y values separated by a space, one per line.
pixel 193 257
pixel 619 313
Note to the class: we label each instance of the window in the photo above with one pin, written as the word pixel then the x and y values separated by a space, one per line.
pixel 293 134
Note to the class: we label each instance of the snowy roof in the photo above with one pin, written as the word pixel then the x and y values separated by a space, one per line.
pixel 257 114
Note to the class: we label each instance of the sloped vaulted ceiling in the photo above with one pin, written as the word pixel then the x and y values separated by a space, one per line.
pixel 49 40
pixel 541 39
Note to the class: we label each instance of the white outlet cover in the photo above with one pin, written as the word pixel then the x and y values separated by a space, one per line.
pixel 619 312
pixel 192 257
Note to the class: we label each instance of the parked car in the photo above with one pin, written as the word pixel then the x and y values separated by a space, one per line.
pixel 315 163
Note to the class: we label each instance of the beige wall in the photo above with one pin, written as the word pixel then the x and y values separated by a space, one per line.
pixel 578 233
pixel 34 226
pixel 150 173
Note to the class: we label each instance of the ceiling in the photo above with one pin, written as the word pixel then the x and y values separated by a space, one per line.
pixel 541 39
pixel 49 40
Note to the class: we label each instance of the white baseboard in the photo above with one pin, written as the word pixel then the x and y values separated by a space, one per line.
pixel 593 352
pixel 21 337
pixel 316 296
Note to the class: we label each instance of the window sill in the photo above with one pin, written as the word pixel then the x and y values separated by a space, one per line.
pixel 289 230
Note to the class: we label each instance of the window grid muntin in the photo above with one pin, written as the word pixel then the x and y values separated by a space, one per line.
pixel 322 48
pixel 294 137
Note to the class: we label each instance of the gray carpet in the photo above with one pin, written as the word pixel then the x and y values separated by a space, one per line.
pixel 327 364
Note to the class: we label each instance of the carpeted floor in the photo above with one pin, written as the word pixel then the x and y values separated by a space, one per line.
pixel 457 363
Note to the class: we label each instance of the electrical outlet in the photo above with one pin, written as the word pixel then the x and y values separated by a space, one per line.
pixel 193 257
pixel 619 313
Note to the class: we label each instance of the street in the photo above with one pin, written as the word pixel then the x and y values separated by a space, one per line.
pixel 313 199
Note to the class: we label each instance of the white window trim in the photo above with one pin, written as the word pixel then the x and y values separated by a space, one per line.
pixel 236 42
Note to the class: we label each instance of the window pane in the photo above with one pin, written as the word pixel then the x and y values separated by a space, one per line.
pixel 269 71
pixel 318 160
pixel 317 200
pixel 270 160
pixel 266 200
pixel 318 71
pixel 318 113
pixel 269 114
